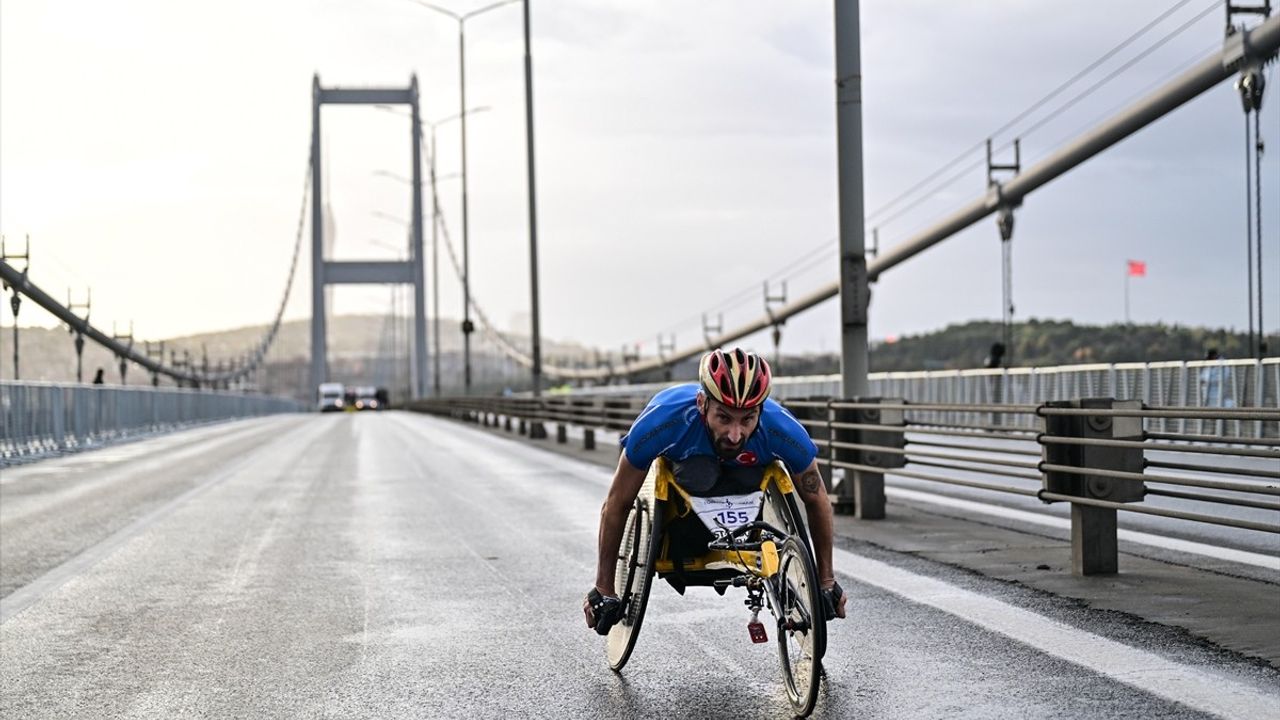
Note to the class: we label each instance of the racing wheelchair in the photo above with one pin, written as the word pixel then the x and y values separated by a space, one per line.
pixel 755 540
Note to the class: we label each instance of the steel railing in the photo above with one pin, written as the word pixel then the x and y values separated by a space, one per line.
pixel 996 447
pixel 968 448
pixel 40 418
pixel 1194 384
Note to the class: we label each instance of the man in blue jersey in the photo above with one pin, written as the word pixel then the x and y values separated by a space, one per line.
pixel 717 432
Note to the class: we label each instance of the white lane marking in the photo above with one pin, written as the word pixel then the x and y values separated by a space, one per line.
pixel 1209 692
pixel 1221 553
pixel 25 596
pixel 163 447
pixel 1200 688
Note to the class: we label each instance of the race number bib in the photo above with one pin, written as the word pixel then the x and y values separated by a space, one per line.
pixel 729 511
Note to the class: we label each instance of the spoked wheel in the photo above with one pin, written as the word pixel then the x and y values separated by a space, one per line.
pixel 632 581
pixel 802 624
pixel 782 511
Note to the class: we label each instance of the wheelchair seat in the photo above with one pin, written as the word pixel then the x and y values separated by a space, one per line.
pixel 684 560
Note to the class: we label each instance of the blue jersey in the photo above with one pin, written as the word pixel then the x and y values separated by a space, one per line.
pixel 671 426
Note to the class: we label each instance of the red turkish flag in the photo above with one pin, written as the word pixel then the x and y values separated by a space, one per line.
pixel 1137 268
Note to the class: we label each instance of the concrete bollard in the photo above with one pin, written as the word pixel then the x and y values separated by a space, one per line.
pixel 1094 546
pixel 562 434
pixel 866 492
pixel 589 439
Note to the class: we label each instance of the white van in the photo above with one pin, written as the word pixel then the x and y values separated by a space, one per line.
pixel 329 397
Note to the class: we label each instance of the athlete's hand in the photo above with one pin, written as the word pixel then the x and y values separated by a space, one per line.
pixel 834 598
pixel 601 612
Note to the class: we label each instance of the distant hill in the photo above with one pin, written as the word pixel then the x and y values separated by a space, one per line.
pixel 357 345
pixel 1038 343
pixel 1058 342
pixel 357 342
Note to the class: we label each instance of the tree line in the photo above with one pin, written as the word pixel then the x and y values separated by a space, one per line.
pixel 1037 343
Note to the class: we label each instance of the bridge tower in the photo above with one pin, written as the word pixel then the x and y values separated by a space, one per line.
pixel 326 272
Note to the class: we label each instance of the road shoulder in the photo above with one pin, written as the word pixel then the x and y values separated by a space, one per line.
pixel 1234 608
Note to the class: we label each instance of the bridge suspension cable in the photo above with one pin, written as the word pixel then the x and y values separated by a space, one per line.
pixel 1012 123
pixel 821 252
pixel 1255 45
pixel 21 282
pixel 1208 72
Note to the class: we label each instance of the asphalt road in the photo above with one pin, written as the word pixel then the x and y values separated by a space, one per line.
pixel 394 565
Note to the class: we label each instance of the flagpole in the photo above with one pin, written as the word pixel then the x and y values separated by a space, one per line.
pixel 1126 294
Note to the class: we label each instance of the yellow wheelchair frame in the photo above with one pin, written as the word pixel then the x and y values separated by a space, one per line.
pixel 762 562
pixel 773 560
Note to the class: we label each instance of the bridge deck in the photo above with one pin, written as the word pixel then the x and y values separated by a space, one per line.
pixel 396 565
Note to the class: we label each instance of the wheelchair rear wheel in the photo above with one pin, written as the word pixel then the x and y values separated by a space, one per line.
pixel 802 624
pixel 632 581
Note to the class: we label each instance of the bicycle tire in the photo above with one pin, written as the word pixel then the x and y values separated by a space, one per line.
pixel 780 510
pixel 633 579
pixel 802 625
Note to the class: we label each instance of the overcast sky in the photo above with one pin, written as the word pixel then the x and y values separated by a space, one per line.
pixel 156 151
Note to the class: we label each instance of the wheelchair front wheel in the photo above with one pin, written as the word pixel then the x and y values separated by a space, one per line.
pixel 802 624
pixel 782 511
pixel 632 580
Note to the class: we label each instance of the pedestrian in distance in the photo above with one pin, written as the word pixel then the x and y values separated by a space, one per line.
pixel 1216 388
pixel 97 377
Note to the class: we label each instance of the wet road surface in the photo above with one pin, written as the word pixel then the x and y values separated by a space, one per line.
pixel 395 565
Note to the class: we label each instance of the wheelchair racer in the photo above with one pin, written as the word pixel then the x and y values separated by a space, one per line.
pixel 727 423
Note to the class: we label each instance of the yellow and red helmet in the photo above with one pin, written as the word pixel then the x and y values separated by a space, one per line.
pixel 736 378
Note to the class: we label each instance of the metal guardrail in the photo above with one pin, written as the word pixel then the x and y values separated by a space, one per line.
pixel 1194 384
pixel 41 418
pixel 1094 454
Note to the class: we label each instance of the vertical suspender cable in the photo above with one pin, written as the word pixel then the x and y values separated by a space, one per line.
pixel 1248 224
pixel 1257 188
pixel 1008 292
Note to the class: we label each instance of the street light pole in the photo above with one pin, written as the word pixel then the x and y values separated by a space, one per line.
pixel 535 340
pixel 399 333
pixel 467 326
pixel 435 263
pixel 853 265
pixel 864 492
pixel 435 227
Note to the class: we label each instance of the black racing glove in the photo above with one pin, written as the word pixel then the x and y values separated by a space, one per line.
pixel 831 599
pixel 606 610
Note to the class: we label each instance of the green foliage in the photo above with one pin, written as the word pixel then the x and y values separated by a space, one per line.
pixel 1056 342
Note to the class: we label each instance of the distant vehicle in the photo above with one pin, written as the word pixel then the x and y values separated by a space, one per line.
pixel 330 397
pixel 367 398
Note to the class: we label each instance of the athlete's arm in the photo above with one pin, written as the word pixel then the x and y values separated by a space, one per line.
pixel 627 480
pixel 814 494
